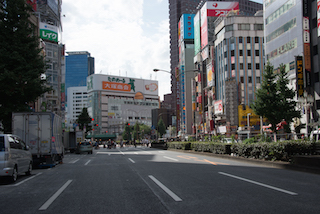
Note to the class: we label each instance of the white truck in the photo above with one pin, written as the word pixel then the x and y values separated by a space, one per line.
pixel 42 132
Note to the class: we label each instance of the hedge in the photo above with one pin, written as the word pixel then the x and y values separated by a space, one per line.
pixel 283 150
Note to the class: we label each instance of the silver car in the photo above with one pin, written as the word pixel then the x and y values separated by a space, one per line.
pixel 15 158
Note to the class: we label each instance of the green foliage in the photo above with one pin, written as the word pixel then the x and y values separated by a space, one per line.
pixel 21 64
pixel 136 131
pixel 259 150
pixel 161 127
pixel 274 100
pixel 84 120
pixel 126 135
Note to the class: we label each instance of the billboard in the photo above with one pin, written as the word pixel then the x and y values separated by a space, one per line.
pixel 214 9
pixel 186 26
pixel 101 82
pixel 318 16
pixel 48 32
pixel 218 108
pixel 33 4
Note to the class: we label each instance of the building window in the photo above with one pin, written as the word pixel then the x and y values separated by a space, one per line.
pixel 256 39
pixel 243 26
pixel 249 79
pixel 225 54
pixel 248 52
pixel 241 52
pixel 257 53
pixel 257 66
pixel 240 39
pixel 248 39
pixel 233 66
pixel 232 53
pixel 257 79
pixel 249 66
pixel 258 26
pixel 241 79
pixel 315 50
pixel 229 28
pixel 241 66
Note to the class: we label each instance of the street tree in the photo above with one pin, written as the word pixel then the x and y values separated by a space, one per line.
pixel 84 120
pixel 136 131
pixel 161 127
pixel 126 135
pixel 21 64
pixel 274 100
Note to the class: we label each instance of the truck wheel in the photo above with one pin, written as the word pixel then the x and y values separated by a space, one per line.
pixel 14 175
pixel 29 169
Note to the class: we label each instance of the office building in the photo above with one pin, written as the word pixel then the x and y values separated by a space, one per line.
pixel 114 101
pixel 291 38
pixel 79 65
pixel 77 100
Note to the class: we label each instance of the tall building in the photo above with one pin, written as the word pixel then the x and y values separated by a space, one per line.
pixel 79 65
pixel 239 57
pixel 176 9
pixel 291 38
pixel 49 14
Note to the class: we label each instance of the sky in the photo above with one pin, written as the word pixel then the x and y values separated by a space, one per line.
pixel 126 37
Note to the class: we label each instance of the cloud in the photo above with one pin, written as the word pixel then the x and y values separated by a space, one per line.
pixel 121 35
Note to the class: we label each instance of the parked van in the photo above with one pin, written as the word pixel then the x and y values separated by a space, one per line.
pixel 15 157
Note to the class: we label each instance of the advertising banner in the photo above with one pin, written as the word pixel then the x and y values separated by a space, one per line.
pixel 33 4
pixel 197 40
pixel 318 16
pixel 218 8
pixel 99 82
pixel 210 75
pixel 218 108
pixel 186 26
pixel 214 9
pixel 48 32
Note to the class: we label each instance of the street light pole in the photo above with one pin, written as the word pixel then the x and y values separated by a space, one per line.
pixel 185 90
pixel 248 124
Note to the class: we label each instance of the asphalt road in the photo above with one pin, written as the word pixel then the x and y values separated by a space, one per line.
pixel 143 180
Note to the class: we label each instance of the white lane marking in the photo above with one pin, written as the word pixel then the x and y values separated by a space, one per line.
pixel 171 158
pixel 21 182
pixel 74 161
pixel 161 151
pixel 136 153
pixel 55 196
pixel 131 160
pixel 87 162
pixel 164 188
pixel 260 184
pixel 121 152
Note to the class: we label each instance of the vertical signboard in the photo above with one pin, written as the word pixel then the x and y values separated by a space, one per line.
pixel 197 40
pixel 306 45
pixel 210 75
pixel 299 76
pixel 178 98
pixel 204 26
pixel 183 98
pixel 318 16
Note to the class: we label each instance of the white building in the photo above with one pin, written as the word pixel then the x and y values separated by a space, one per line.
pixel 77 100
pixel 114 101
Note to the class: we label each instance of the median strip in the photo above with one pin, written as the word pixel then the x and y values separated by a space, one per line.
pixel 260 184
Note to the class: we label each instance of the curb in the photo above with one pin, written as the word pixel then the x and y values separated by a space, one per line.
pixel 273 164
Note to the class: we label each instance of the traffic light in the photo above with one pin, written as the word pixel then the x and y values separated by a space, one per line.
pixel 92 119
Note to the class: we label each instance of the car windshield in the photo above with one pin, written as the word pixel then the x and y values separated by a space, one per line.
pixel 2 143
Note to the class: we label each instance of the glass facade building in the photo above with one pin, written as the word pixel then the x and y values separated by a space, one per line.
pixel 79 65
